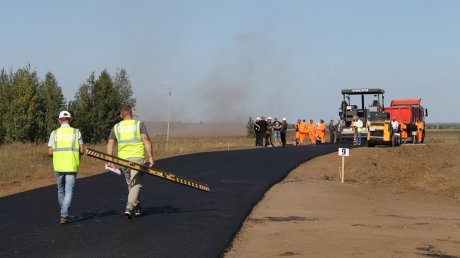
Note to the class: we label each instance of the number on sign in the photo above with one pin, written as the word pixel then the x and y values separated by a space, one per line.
pixel 344 152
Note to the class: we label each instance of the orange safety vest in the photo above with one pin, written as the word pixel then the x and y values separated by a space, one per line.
pixel 303 127
pixel 403 130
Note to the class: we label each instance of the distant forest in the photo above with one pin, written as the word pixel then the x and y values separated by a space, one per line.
pixel 29 105
pixel 443 125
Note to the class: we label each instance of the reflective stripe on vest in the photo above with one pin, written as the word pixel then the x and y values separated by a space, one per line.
pixel 130 143
pixel 66 150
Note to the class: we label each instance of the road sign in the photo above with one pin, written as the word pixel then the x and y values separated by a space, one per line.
pixel 344 152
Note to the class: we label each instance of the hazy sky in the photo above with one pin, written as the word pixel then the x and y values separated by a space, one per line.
pixel 228 60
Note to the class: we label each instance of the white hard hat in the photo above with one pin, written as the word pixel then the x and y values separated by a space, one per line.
pixel 284 119
pixel 257 118
pixel 64 114
pixel 269 118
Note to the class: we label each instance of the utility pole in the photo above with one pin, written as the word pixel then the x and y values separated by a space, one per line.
pixel 169 114
pixel 167 83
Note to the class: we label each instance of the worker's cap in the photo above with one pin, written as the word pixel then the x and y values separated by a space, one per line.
pixel 284 119
pixel 257 118
pixel 299 119
pixel 65 114
pixel 276 118
pixel 269 118
pixel 262 117
pixel 394 118
pixel 356 117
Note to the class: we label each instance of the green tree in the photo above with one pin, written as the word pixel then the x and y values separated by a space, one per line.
pixel 81 109
pixel 107 104
pixel 51 103
pixel 21 123
pixel 250 128
pixel 5 97
pixel 123 86
pixel 97 103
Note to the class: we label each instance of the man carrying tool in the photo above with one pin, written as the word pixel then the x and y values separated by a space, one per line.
pixel 132 137
pixel 66 147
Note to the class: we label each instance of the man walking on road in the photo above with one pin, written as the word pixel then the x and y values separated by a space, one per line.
pixel 132 138
pixel 66 147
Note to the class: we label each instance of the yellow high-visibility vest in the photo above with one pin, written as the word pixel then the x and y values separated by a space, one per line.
pixel 130 143
pixel 66 150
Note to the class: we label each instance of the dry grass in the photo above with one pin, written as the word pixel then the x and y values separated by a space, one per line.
pixel 28 166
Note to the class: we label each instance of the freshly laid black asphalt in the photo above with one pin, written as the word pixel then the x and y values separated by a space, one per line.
pixel 177 221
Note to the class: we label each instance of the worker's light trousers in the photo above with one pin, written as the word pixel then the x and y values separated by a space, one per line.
pixel 134 182
pixel 65 183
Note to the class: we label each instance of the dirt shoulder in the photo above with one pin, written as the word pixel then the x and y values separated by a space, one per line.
pixel 396 202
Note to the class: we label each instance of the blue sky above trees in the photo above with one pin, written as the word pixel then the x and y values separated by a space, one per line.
pixel 227 60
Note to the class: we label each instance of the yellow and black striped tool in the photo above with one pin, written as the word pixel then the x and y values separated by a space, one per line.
pixel 146 169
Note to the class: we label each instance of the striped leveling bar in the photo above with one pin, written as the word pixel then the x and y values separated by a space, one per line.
pixel 145 169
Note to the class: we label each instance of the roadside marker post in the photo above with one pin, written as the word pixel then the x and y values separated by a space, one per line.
pixel 343 152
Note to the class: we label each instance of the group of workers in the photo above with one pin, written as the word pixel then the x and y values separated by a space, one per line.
pixel 273 132
pixel 403 129
pixel 315 131
pixel 66 147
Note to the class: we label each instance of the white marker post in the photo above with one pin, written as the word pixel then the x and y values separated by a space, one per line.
pixel 343 152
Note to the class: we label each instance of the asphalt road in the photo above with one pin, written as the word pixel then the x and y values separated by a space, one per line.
pixel 177 221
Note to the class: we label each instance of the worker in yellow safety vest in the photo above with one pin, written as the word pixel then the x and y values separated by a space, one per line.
pixel 66 146
pixel 132 138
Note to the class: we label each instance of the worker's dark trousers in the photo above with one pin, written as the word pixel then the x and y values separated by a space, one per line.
pixel 258 138
pixel 283 138
pixel 268 139
pixel 331 137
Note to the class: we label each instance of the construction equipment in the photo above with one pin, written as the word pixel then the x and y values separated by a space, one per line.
pixel 348 111
pixel 408 111
pixel 380 131
pixel 146 169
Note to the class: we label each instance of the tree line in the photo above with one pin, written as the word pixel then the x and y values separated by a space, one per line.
pixel 29 106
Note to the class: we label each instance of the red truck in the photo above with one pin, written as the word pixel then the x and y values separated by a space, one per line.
pixel 408 111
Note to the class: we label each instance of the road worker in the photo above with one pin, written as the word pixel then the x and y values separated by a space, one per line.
pixel 420 128
pixel 358 129
pixel 132 138
pixel 277 133
pixel 353 129
pixel 284 127
pixel 297 131
pixel 269 133
pixel 66 147
pixel 321 131
pixel 332 130
pixel 257 130
pixel 312 132
pixel 394 125
pixel 303 132
pixel 404 131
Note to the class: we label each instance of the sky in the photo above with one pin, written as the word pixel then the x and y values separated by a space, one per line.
pixel 228 60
